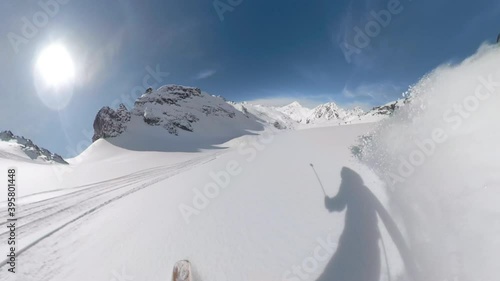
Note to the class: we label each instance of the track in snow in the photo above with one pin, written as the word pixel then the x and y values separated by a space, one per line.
pixel 43 218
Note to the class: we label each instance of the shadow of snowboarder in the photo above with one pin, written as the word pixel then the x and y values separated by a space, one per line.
pixel 357 257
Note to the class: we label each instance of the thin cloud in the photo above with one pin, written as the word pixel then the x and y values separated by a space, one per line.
pixel 205 74
pixel 375 93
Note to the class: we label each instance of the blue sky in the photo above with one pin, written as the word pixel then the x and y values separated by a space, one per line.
pixel 273 52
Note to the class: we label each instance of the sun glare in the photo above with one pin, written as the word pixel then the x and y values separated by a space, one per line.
pixel 54 76
pixel 55 65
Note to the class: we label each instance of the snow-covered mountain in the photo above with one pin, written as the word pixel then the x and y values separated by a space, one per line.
pixel 172 116
pixel 322 113
pixel 175 110
pixel 388 108
pixel 295 111
pixel 331 111
pixel 266 115
pixel 296 116
pixel 21 148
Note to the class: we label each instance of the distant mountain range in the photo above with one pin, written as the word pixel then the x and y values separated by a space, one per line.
pixel 181 110
pixel 187 113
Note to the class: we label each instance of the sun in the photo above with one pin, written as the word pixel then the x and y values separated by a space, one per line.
pixel 54 76
pixel 55 66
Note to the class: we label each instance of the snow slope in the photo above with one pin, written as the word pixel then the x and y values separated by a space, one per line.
pixel 267 219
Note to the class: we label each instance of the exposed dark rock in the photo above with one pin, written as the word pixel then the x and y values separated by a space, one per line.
pixel 279 126
pixel 218 111
pixel 110 123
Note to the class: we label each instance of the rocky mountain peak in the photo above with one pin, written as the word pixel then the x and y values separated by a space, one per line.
pixel 173 108
pixel 32 150
pixel 110 123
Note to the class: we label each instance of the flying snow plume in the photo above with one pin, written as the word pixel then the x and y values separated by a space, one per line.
pixel 440 158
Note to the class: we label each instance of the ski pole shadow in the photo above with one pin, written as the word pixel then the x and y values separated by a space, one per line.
pixel 358 256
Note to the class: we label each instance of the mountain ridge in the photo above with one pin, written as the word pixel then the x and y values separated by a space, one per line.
pixel 182 110
pixel 14 146
pixel 178 109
